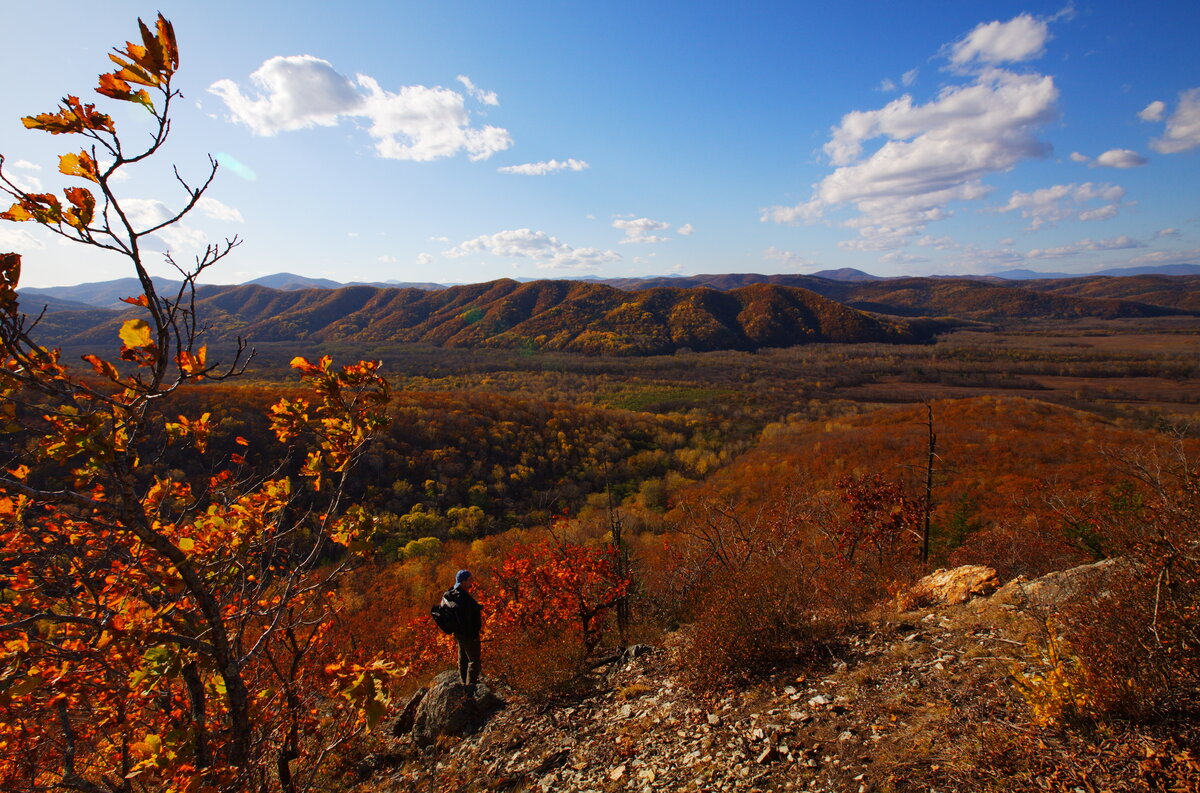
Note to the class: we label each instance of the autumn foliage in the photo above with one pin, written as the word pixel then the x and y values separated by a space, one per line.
pixel 157 631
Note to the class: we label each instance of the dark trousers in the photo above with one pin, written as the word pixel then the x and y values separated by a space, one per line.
pixel 468 658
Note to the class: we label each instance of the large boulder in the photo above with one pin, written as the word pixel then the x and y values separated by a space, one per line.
pixel 950 587
pixel 446 708
pixel 1053 590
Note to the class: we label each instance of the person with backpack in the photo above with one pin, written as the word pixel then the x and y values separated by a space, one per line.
pixel 459 613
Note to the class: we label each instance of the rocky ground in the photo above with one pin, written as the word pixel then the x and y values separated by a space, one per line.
pixel 921 699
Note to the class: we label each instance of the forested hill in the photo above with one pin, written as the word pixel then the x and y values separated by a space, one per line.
pixel 1066 298
pixel 569 316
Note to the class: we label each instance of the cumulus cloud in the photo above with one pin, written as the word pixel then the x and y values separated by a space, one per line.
pixel 641 230
pixel 478 94
pixel 415 123
pixel 787 257
pixel 686 230
pixel 887 85
pixel 1164 233
pixel 1183 126
pixel 211 207
pixel 1022 38
pixel 1113 158
pixel 424 259
pixel 1086 246
pixel 542 168
pixel 1121 158
pixel 386 259
pixel 1155 111
pixel 933 154
pixel 1051 205
pixel 544 250
pixel 146 213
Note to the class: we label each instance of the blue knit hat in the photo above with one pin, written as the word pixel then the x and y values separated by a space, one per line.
pixel 462 576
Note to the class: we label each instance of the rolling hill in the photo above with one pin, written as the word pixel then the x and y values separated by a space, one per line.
pixel 1180 292
pixel 569 316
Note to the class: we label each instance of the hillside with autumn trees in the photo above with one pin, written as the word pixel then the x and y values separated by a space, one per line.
pixel 745 538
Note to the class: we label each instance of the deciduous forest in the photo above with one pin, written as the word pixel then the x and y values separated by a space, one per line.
pixel 218 554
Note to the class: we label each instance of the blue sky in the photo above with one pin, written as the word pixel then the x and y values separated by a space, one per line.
pixel 465 141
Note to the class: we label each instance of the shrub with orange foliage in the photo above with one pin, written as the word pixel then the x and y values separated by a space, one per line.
pixel 547 606
pixel 1135 633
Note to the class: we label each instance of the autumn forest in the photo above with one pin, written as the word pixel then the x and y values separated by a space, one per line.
pixel 225 512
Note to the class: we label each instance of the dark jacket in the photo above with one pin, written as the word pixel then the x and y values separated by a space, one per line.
pixel 470 614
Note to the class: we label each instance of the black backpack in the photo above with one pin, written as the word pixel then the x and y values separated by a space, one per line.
pixel 445 614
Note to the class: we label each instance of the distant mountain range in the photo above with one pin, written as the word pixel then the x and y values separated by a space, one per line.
pixel 625 316
pixel 107 294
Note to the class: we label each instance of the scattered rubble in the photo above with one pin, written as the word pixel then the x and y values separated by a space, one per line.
pixel 908 703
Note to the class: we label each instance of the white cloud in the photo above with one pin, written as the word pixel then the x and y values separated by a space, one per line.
pixel 211 207
pixel 1183 127
pixel 1191 256
pixel 933 154
pixel 545 167
pixel 1050 205
pixel 546 251
pixel 900 257
pixel 1155 111
pixel 478 94
pixel 1164 233
pixel 909 77
pixel 439 239
pixel 641 230
pixel 25 181
pixel 386 259
pixel 18 240
pixel 351 234
pixel 1077 157
pixel 1020 39
pixel 146 213
pixel 938 243
pixel 424 259
pixel 415 123
pixel 887 85
pixel 1086 246
pixel 686 230
pixel 296 92
pixel 787 257
pixel 1121 158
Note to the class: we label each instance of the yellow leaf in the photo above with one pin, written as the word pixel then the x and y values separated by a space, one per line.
pixel 80 164
pixel 187 544
pixel 136 333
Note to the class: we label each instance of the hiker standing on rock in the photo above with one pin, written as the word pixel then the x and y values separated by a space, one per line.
pixel 466 633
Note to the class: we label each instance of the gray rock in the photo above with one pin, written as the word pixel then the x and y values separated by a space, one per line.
pixel 404 723
pixel 447 709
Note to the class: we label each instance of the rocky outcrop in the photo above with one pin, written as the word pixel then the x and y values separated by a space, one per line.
pixel 446 708
pixel 950 587
pixel 1054 589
